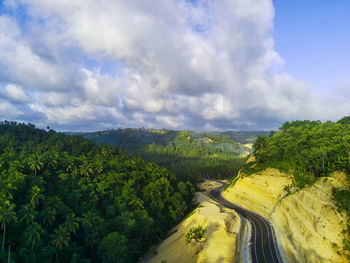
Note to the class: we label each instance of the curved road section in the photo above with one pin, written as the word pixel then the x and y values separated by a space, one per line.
pixel 263 244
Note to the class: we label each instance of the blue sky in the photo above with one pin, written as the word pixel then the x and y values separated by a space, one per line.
pixel 313 37
pixel 205 64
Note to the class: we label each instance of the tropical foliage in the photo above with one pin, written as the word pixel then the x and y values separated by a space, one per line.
pixel 195 233
pixel 65 199
pixel 308 150
pixel 191 155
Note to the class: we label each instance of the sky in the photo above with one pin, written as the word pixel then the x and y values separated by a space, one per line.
pixel 87 65
pixel 316 46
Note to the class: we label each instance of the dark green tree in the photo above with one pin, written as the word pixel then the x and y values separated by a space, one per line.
pixel 113 248
pixel 35 163
pixel 7 215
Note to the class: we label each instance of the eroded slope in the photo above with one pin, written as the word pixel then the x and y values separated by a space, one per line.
pixel 220 244
pixel 307 223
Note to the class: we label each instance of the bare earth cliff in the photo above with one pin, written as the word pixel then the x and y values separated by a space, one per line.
pixel 307 223
pixel 224 230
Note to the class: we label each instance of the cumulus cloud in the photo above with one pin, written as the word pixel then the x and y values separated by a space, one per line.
pixel 201 64
pixel 15 93
pixel 7 110
pixel 21 63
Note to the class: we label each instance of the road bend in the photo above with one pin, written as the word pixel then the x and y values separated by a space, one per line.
pixel 262 242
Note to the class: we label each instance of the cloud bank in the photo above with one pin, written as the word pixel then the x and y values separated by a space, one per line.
pixel 205 64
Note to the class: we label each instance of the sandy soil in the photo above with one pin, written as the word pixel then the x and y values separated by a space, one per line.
pixel 259 192
pixel 220 243
pixel 307 222
pixel 208 185
pixel 249 145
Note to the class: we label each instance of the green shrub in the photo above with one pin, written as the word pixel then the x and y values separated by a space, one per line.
pixel 195 233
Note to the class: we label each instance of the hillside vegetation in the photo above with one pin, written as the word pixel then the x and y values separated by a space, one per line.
pixel 245 137
pixel 65 199
pixel 191 155
pixel 308 150
pixel 224 234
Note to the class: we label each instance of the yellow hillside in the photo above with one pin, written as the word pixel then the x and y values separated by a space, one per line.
pixel 259 192
pixel 307 224
pixel 219 245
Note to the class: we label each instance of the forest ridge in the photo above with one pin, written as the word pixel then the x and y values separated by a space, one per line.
pixel 192 155
pixel 66 199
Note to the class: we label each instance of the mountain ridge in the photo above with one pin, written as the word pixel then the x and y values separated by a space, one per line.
pixel 193 154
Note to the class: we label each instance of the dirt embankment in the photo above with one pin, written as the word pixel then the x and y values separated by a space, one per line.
pixel 307 223
pixel 220 242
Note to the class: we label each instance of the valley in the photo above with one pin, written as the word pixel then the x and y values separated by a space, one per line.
pixel 174 131
pixel 307 212
pixel 192 155
pixel 284 200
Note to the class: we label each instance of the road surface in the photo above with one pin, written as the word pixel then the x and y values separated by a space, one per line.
pixel 263 244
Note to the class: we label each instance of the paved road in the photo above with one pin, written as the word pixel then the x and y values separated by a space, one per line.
pixel 262 243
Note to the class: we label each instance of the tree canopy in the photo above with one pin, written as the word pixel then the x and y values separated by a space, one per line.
pixel 309 150
pixel 66 199
pixel 191 155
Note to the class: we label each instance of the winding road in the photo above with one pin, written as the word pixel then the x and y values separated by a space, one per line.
pixel 263 243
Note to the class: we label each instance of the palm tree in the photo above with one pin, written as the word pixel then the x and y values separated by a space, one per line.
pixel 71 224
pixel 9 255
pixel 35 163
pixel 54 202
pixel 52 162
pixel 15 167
pixel 33 233
pixel 7 214
pixel 28 214
pixel 85 169
pixel 35 195
pixel 48 216
pixel 89 219
pixel 98 167
pixel 90 222
pixel 107 150
pixel 69 163
pixel 61 239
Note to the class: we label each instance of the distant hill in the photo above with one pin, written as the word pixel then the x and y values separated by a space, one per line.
pixel 188 153
pixel 66 199
pixel 245 136
pixel 188 143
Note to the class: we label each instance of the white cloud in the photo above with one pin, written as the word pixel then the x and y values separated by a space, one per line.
pixel 15 93
pixel 66 115
pixel 8 111
pixel 181 65
pixel 21 63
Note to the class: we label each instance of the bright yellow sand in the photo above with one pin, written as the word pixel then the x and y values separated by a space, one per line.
pixel 307 222
pixel 219 245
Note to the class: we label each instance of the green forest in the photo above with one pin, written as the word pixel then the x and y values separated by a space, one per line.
pixel 308 150
pixel 66 199
pixel 191 155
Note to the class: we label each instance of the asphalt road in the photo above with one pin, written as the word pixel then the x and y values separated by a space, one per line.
pixel 262 242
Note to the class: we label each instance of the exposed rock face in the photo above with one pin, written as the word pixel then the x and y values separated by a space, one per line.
pixel 259 192
pixel 224 229
pixel 307 222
